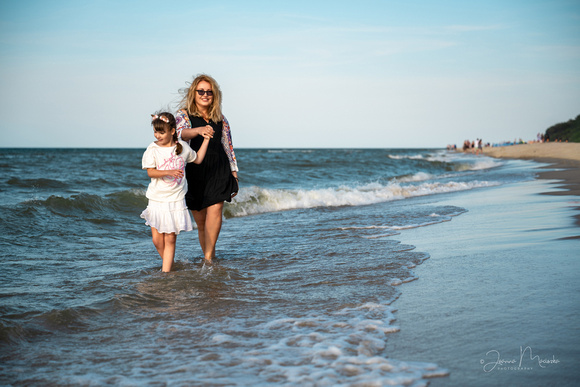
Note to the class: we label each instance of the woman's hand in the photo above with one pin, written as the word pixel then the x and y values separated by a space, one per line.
pixel 235 175
pixel 205 131
pixel 190 133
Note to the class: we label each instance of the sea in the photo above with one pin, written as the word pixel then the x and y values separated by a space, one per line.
pixel 310 262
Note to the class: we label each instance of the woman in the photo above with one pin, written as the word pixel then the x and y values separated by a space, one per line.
pixel 216 179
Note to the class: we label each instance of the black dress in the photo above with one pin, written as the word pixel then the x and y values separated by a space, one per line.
pixel 211 181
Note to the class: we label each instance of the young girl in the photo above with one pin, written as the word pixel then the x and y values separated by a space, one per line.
pixel 165 161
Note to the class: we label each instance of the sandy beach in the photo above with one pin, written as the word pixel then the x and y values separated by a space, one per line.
pixel 537 151
pixel 563 160
pixel 501 297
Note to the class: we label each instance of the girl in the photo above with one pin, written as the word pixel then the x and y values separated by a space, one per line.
pixel 165 161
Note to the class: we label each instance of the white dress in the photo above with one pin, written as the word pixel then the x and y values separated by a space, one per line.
pixel 167 211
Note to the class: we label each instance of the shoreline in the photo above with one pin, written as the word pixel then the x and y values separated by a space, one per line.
pixel 536 151
pixel 563 161
pixel 494 287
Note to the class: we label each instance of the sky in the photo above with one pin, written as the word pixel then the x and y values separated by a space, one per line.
pixel 294 74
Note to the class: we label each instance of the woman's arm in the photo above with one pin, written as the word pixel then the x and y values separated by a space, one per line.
pixel 184 129
pixel 189 133
pixel 229 148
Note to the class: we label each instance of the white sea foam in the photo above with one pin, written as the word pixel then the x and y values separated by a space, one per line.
pixel 485 164
pixel 478 165
pixel 256 200
pixel 410 157
pixel 345 347
pixel 341 348
pixel 419 176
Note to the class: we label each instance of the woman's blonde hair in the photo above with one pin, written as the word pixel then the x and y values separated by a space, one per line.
pixel 188 101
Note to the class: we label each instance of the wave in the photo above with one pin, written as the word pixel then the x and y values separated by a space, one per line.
pixel 290 151
pixel 485 164
pixel 408 157
pixel 36 183
pixel 17 331
pixel 457 162
pixel 393 229
pixel 11 333
pixel 83 203
pixel 256 200
pixel 478 165
pixel 419 176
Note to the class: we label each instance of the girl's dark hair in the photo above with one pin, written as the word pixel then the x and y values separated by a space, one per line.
pixel 163 122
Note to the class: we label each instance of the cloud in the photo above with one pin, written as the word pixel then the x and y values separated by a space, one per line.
pixel 469 28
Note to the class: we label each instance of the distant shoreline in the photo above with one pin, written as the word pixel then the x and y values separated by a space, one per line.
pixel 537 151
pixel 564 160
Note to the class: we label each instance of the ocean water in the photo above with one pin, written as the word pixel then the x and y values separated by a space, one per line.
pixel 310 262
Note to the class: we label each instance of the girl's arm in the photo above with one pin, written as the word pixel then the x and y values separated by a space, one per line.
pixel 202 149
pixel 156 173
pixel 184 129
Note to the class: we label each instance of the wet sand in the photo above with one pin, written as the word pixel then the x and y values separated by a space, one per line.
pixel 564 160
pixel 505 286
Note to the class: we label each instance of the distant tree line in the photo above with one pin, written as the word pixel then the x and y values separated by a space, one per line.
pixel 564 131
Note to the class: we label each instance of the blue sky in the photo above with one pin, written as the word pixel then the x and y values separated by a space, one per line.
pixel 301 74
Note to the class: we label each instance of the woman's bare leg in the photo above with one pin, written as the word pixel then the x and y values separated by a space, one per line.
pixel 209 224
pixel 213 226
pixel 199 217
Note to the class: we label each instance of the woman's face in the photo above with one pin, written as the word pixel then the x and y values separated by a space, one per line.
pixel 203 101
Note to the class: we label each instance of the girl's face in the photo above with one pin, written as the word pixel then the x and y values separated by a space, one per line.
pixel 164 138
pixel 203 102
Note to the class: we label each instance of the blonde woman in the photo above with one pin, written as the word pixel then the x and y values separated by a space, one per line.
pixel 214 181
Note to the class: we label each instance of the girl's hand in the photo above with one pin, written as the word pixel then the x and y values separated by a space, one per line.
pixel 174 173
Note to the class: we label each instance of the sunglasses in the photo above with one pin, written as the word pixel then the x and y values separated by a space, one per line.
pixel 202 92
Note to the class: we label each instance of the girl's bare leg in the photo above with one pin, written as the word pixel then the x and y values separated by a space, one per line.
pixel 158 241
pixel 168 252
pixel 165 245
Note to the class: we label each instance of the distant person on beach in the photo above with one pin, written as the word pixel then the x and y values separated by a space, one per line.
pixel 466 145
pixel 165 161
pixel 215 180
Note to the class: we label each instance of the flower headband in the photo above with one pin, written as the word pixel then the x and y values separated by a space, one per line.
pixel 162 118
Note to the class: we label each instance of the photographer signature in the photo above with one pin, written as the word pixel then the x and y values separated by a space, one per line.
pixel 499 363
